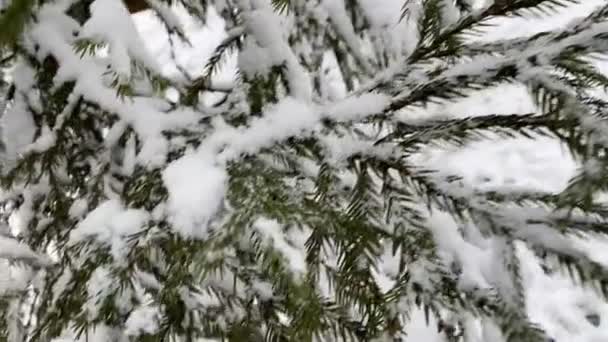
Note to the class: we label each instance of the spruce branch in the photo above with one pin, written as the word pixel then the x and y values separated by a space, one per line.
pixel 203 82
pixel 14 18
pixel 523 7
pixel 281 6
pixel 324 227
pixel 461 131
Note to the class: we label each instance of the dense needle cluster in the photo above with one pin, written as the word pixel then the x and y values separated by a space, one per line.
pixel 287 205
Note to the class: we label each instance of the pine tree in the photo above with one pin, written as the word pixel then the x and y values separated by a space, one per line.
pixel 284 211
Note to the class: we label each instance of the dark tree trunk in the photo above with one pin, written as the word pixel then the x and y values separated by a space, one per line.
pixel 135 6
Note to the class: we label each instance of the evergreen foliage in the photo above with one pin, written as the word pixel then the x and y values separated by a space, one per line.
pixel 281 212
